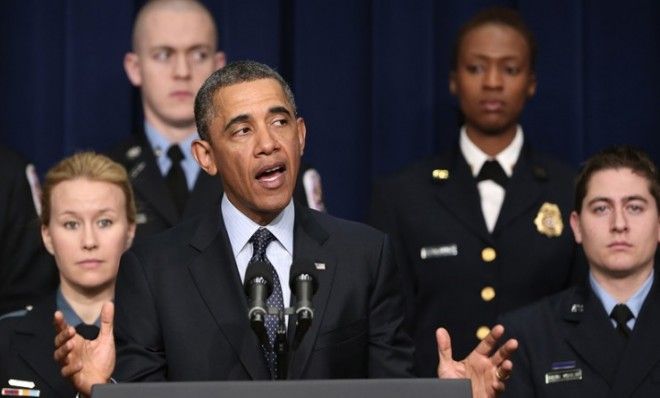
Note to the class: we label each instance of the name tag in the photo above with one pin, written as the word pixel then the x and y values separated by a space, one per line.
pixel 438 251
pixel 560 376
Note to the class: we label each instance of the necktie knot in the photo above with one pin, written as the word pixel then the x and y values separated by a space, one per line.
pixel 260 241
pixel 89 332
pixel 175 154
pixel 176 178
pixel 492 170
pixel 621 315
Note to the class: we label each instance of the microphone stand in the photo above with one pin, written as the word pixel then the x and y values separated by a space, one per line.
pixel 281 349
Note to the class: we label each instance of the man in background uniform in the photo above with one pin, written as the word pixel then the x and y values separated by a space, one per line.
pixel 480 229
pixel 599 339
pixel 174 51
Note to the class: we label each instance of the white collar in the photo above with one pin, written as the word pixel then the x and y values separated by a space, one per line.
pixel 476 158
pixel 240 227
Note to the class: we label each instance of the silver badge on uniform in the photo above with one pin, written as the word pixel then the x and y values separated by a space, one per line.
pixel 140 218
pixel 563 371
pixel 438 251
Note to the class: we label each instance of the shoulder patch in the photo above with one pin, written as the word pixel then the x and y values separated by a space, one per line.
pixel 17 313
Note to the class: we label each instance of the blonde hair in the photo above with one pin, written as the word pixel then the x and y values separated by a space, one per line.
pixel 91 166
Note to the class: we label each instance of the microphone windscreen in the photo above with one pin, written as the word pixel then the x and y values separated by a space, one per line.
pixel 258 269
pixel 303 266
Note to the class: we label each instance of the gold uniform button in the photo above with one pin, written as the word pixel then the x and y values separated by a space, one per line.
pixel 488 254
pixel 482 332
pixel 487 293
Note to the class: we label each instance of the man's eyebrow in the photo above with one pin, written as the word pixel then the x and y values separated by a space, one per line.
pixel 625 199
pixel 236 120
pixel 635 197
pixel 599 199
pixel 280 109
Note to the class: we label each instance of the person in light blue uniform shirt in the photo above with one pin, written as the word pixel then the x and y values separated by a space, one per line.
pixel 600 339
pixel 87 221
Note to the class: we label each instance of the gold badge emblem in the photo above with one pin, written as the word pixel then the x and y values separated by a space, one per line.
pixel 440 174
pixel 548 220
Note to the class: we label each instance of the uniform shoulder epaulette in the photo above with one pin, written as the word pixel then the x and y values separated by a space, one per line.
pixel 17 313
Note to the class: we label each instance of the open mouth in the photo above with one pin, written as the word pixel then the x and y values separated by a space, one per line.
pixel 271 173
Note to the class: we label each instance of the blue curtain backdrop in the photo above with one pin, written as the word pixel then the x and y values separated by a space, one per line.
pixel 370 77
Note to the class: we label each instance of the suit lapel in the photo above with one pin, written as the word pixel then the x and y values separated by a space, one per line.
pixel 522 191
pixel 642 352
pixel 459 193
pixel 216 275
pixel 207 189
pixel 598 350
pixel 149 183
pixel 33 342
pixel 309 240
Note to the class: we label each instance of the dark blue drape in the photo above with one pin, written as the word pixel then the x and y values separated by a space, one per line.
pixel 370 77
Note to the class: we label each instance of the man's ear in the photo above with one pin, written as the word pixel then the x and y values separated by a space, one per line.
pixel 302 134
pixel 220 60
pixel 132 68
pixel 575 226
pixel 201 151
pixel 452 83
pixel 47 239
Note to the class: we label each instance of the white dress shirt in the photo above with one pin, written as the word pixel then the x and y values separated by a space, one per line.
pixel 240 229
pixel 492 194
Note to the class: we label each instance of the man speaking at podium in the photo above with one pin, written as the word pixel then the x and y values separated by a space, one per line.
pixel 181 310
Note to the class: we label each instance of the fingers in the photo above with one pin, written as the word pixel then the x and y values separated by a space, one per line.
pixel 502 374
pixel 488 344
pixel 444 344
pixel 58 322
pixel 63 346
pixel 64 336
pixel 107 319
pixel 504 352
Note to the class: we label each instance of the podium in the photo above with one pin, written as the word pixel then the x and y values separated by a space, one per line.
pixel 353 388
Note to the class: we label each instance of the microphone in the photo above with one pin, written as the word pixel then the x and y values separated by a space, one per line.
pixel 303 284
pixel 258 287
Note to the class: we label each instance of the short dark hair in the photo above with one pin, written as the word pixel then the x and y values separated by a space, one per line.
pixel 499 16
pixel 234 73
pixel 618 157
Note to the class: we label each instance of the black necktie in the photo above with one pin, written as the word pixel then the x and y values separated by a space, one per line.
pixel 491 170
pixel 260 241
pixel 621 315
pixel 89 332
pixel 176 178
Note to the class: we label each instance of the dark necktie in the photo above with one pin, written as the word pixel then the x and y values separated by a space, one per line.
pixel 260 241
pixel 621 315
pixel 89 332
pixel 176 178
pixel 491 170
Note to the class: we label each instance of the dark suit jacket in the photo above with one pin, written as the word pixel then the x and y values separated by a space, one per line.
pixel 156 209
pixel 181 311
pixel 558 330
pixel 26 350
pixel 27 271
pixel 444 217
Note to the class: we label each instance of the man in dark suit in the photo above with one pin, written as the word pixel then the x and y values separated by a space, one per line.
pixel 26 269
pixel 252 137
pixel 174 50
pixel 600 339
pixel 480 229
